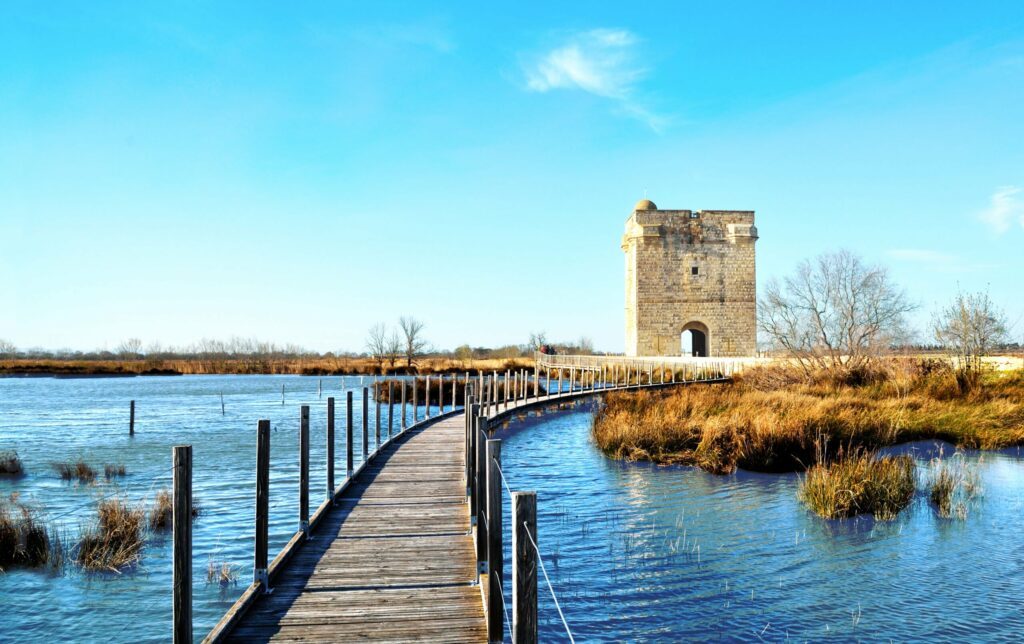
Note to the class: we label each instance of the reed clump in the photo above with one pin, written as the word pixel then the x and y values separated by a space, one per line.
pixel 861 482
pixel 75 470
pixel 25 541
pixel 771 418
pixel 952 486
pixel 10 463
pixel 161 514
pixel 115 541
pixel 221 573
pixel 112 470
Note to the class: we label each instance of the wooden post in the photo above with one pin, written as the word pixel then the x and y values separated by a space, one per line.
pixel 495 554
pixel 524 568
pixel 304 470
pixel 391 407
pixel 376 425
pixel 560 381
pixel 282 394
pixel 131 418
pixel 366 424
pixel 481 490
pixel 415 400
pixel 548 388
pixel 319 388
pixel 259 564
pixel 182 545
pixel 426 413
pixel 330 447
pixel 222 403
pixel 455 384
pixel 536 382
pixel 471 484
pixel 403 405
pixel 348 435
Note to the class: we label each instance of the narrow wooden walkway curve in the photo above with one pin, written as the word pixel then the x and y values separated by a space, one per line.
pixel 394 561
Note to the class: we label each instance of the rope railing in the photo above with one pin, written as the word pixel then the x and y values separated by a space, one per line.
pixel 547 579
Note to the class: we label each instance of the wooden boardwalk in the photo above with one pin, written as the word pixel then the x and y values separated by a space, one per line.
pixel 393 562
pixel 394 559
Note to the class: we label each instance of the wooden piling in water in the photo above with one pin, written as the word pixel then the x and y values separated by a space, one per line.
pixel 415 399
pixel 495 553
pixel 426 403
pixel 391 407
pixel 348 435
pixel 131 418
pixel 181 514
pixel 259 563
pixel 524 568
pixel 376 402
pixel 330 447
pixel 481 490
pixel 304 470
pixel 366 423
pixel 403 406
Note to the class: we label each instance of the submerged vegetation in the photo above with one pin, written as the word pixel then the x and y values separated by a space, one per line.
pixel 111 470
pixel 772 418
pixel 859 483
pixel 161 514
pixel 72 470
pixel 25 541
pixel 952 486
pixel 10 463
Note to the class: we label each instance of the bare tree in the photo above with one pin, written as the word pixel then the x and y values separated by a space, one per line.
pixel 377 343
pixel 835 313
pixel 130 349
pixel 969 327
pixel 537 340
pixel 393 348
pixel 414 346
pixel 7 349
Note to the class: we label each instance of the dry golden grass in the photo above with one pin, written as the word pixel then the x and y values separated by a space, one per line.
pixel 111 470
pixel 952 486
pixel 859 483
pixel 24 540
pixel 72 470
pixel 221 573
pixel 771 419
pixel 161 514
pixel 116 539
pixel 294 366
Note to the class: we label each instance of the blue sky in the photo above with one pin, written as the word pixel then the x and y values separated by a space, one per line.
pixel 172 171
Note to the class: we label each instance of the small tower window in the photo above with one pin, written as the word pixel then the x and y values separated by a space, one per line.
pixel 694 270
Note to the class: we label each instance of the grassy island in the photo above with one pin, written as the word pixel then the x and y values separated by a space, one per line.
pixel 779 419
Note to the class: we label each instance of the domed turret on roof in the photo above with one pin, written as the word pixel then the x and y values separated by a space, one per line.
pixel 645 204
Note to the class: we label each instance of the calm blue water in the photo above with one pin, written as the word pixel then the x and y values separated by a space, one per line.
pixel 635 552
pixel 620 543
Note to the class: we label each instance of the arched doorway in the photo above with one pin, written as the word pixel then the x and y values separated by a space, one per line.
pixel 694 340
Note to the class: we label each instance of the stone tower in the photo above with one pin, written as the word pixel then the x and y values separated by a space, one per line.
pixel 690 271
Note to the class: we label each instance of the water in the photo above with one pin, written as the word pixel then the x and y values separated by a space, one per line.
pixel 48 420
pixel 635 552
pixel 621 540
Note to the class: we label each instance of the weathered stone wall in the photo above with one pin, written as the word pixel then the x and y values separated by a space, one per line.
pixel 664 297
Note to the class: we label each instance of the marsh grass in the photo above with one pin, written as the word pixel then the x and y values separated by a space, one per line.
pixel 75 470
pixel 770 419
pixel 25 541
pixel 953 485
pixel 221 573
pixel 861 482
pixel 111 470
pixel 115 540
pixel 161 513
pixel 10 463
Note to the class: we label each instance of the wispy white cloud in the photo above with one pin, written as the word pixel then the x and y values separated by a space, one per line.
pixel 602 62
pixel 1004 207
